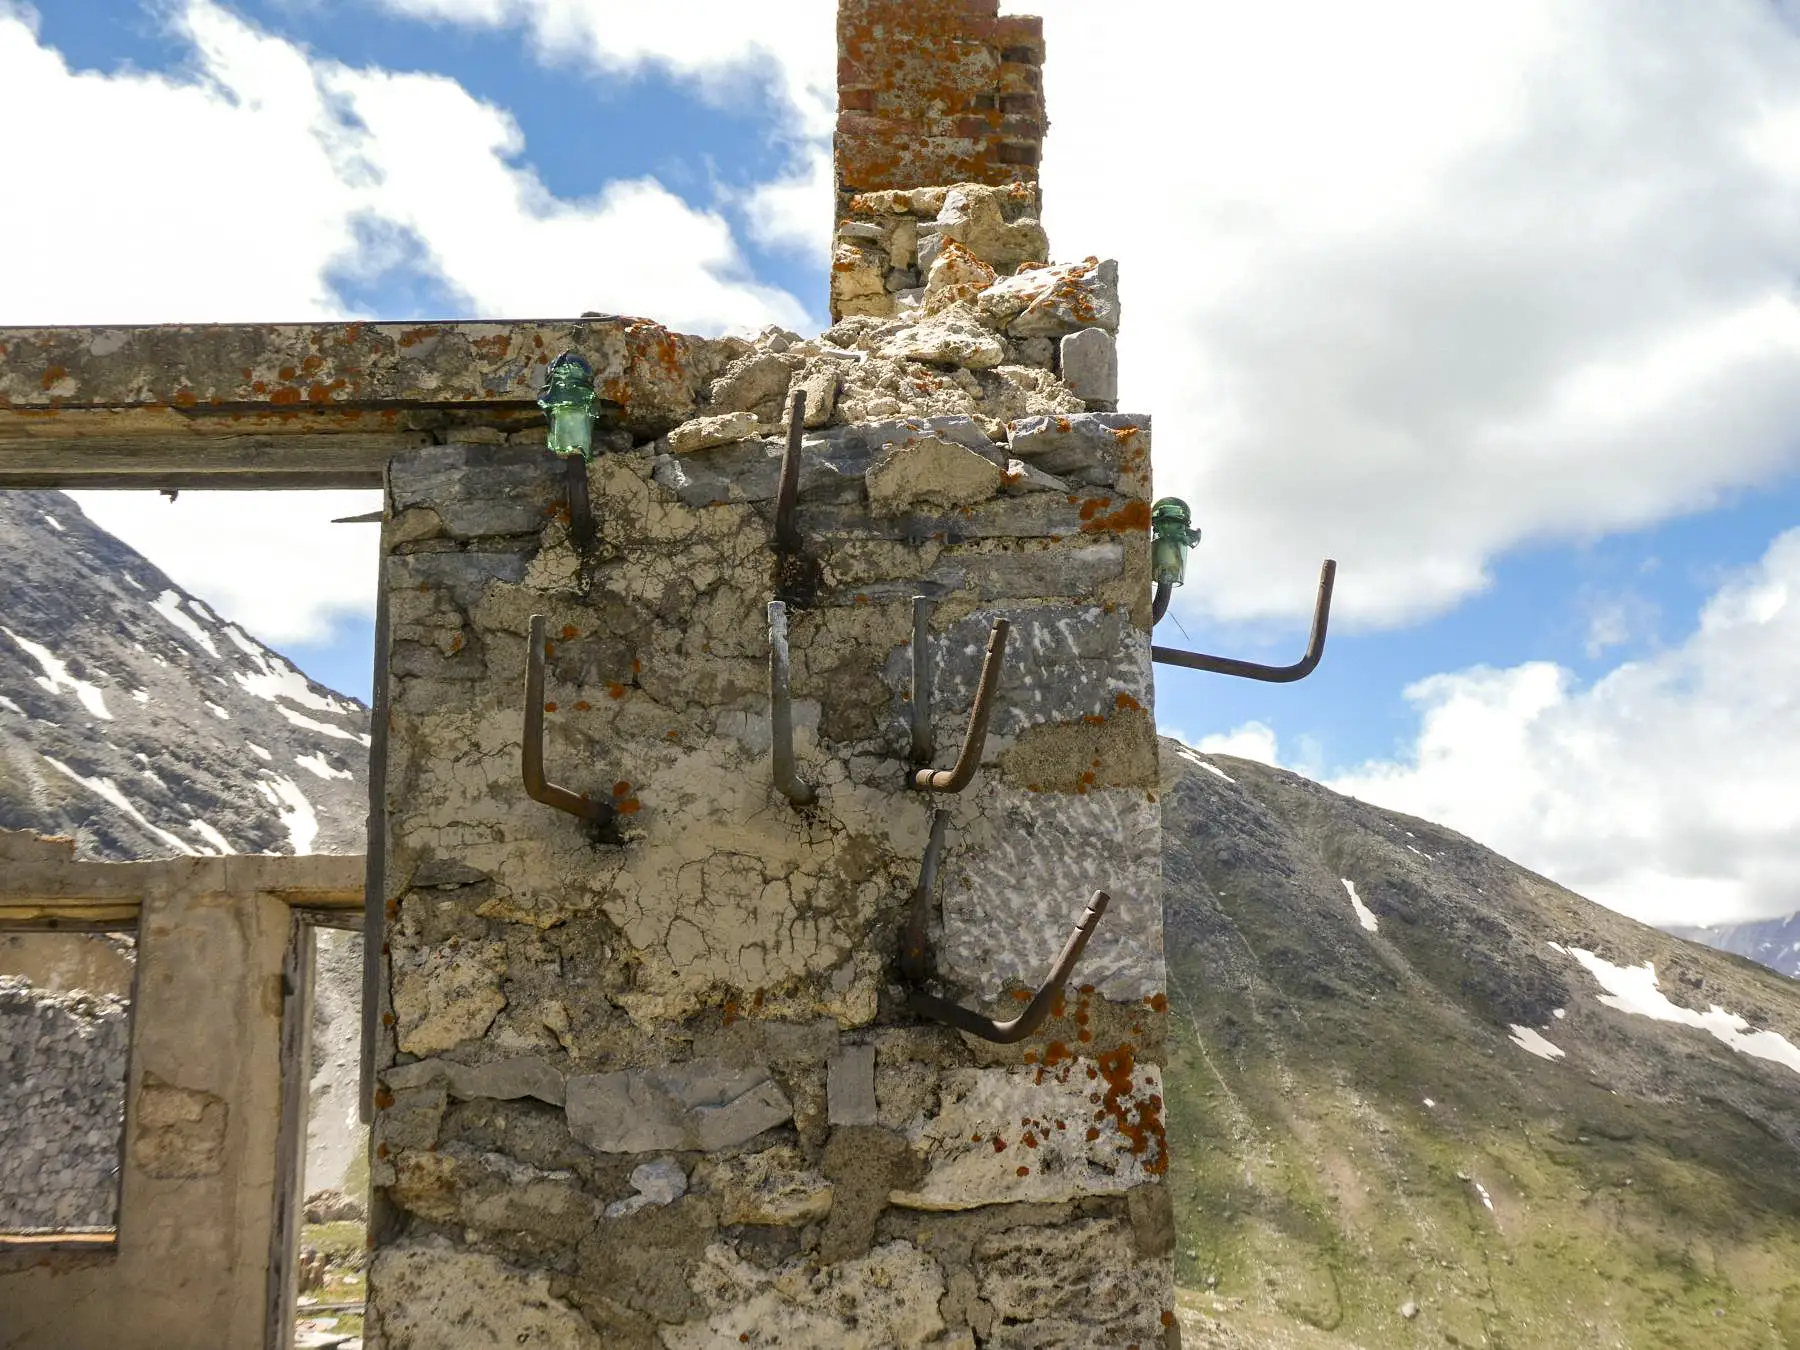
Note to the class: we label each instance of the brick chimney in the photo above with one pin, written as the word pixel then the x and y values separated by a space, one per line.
pixel 936 92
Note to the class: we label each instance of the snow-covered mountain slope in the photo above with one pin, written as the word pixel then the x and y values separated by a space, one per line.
pixel 1773 942
pixel 141 723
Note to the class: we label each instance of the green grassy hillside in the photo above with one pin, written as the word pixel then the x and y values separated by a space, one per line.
pixel 1365 1156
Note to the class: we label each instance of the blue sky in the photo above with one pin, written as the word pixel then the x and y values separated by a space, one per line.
pixel 1497 308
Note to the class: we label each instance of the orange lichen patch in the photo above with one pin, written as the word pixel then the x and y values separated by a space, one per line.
pixel 1055 1053
pixel 387 1019
pixel 1141 1126
pixel 1133 516
pixel 615 690
pixel 1023 995
pixel 1084 1035
pixel 286 373
pixel 1168 1317
pixel 410 338
pixel 1093 505
pixel 285 395
pixel 731 1011
pixel 1024 1171
pixel 183 398
pixel 313 363
pixel 1159 1003
pixel 1094 720
pixel 582 705
pixel 1030 1140
pixel 756 1001
pixel 637 666
pixel 620 788
pixel 494 347
pixel 999 1144
pixel 1031 1057
pixel 630 806
pixel 456 642
pixel 570 631
pixel 549 650
pixel 1092 1134
pixel 1123 701
pixel 52 374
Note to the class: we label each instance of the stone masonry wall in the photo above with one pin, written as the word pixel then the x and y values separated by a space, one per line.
pixel 62 1107
pixel 657 1086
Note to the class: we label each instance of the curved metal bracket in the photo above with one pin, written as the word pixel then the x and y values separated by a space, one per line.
pixel 1159 605
pixel 787 534
pixel 915 938
pixel 1007 1033
pixel 781 712
pixel 968 759
pixel 1250 670
pixel 537 787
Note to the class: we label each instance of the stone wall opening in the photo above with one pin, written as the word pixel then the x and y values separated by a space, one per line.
pixel 65 1040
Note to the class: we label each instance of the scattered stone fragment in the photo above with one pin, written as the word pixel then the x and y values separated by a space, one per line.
pixel 953 338
pixel 850 1086
pixel 956 274
pixel 749 382
pixel 973 215
pixel 705 433
pixel 1052 301
pixel 657 1183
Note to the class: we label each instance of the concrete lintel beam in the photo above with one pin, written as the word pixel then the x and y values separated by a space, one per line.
pixel 315 405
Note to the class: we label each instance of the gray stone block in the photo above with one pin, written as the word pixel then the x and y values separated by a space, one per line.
pixel 698 1105
pixel 1090 365
pixel 850 1086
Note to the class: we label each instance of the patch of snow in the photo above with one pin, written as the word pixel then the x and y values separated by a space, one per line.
pixel 1364 915
pixel 276 678
pixel 302 824
pixel 217 711
pixel 1633 989
pixel 132 582
pixel 1429 1102
pixel 109 790
pixel 212 836
pixel 56 675
pixel 1482 1192
pixel 1531 1042
pixel 1559 1013
pixel 1421 852
pixel 1193 757
pixel 322 727
pixel 54 523
pixel 141 695
pixel 317 765
pixel 259 752
pixel 168 604
pixel 202 611
pixel 10 706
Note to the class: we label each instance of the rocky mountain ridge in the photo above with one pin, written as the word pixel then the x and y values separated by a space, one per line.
pixel 139 722
pixel 1774 943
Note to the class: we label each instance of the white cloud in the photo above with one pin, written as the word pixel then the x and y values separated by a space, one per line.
pixel 1664 790
pixel 723 47
pixel 1439 279
pixel 322 159
pixel 270 562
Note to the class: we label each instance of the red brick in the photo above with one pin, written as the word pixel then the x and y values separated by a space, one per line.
pixel 856 100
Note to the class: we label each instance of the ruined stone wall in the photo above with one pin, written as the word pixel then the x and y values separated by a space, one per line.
pixel 657 1085
pixel 62 1107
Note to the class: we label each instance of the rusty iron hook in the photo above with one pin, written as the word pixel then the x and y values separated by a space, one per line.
pixel 915 937
pixel 1250 670
pixel 781 712
pixel 537 787
pixel 1159 603
pixel 924 745
pixel 1007 1033
pixel 787 534
pixel 968 759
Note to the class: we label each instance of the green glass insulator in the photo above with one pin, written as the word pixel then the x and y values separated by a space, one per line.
pixel 568 401
pixel 1170 539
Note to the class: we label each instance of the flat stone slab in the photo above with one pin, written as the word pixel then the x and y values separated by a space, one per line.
pixel 699 1105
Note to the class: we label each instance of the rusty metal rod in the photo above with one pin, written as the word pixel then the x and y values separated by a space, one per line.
pixel 968 759
pixel 787 534
pixel 581 508
pixel 781 712
pixel 923 744
pixel 1159 605
pixel 537 787
pixel 1250 670
pixel 915 937
pixel 1007 1033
